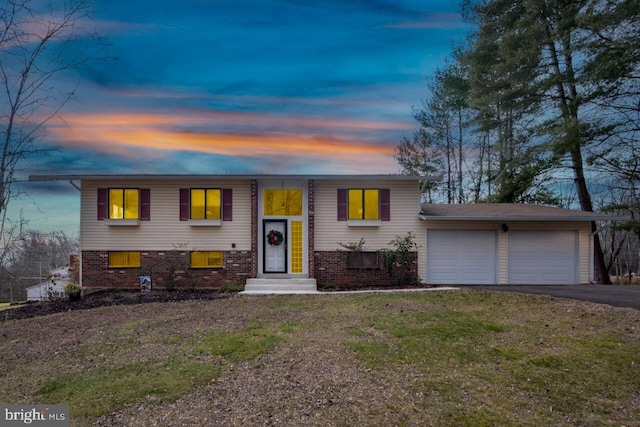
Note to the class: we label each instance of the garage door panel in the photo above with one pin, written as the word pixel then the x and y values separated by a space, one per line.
pixel 542 257
pixel 461 257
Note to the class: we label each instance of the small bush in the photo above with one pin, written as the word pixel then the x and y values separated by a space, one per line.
pixel 73 291
pixel 230 288
pixel 398 261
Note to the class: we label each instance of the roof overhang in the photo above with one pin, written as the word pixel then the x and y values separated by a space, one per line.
pixel 594 217
pixel 187 177
pixel 511 212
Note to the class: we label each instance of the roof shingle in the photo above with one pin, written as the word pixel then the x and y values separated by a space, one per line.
pixel 509 211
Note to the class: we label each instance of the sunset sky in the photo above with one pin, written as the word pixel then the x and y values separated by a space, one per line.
pixel 243 86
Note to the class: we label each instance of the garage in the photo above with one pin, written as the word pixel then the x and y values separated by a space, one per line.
pixel 542 257
pixel 463 257
pixel 509 243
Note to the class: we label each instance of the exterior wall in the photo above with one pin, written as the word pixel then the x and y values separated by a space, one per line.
pixel 329 231
pixel 332 272
pixel 582 229
pixel 164 231
pixel 166 234
pixel 168 269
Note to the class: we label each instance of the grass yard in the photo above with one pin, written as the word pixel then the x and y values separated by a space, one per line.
pixel 459 358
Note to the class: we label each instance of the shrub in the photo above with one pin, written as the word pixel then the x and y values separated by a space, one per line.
pixel 230 288
pixel 399 260
pixel 73 291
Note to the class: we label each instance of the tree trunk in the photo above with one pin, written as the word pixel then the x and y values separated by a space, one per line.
pixel 601 275
pixel 460 158
pixel 568 103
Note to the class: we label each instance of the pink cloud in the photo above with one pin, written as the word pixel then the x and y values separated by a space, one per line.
pixel 126 134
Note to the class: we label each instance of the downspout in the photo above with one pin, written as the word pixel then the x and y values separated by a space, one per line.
pixel 591 255
pixel 77 187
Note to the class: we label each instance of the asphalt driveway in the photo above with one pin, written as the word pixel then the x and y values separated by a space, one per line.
pixel 616 295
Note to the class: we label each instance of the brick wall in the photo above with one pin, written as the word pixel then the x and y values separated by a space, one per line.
pixel 168 269
pixel 331 271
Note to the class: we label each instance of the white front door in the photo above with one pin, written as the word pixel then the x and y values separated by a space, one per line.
pixel 275 246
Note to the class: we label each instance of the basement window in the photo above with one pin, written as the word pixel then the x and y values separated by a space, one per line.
pixel 362 259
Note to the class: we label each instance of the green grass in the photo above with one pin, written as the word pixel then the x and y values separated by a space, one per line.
pixel 100 392
pixel 5 305
pixel 245 345
pixel 469 353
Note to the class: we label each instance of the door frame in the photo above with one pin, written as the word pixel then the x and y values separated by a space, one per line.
pixel 285 242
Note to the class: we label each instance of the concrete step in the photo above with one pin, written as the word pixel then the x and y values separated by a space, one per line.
pixel 262 286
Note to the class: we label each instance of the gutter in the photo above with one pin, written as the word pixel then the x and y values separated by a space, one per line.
pixel 424 217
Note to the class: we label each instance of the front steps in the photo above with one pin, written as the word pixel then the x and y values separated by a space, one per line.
pixel 282 286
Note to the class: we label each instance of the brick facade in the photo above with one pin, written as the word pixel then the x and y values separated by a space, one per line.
pixel 168 269
pixel 332 271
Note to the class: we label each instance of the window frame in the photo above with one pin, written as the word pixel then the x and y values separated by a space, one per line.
pixel 221 265
pixel 384 199
pixel 127 264
pixel 363 204
pixel 363 260
pixel 226 207
pixel 206 190
pixel 124 204
pixel 284 195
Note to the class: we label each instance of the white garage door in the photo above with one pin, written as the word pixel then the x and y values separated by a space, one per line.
pixel 461 257
pixel 542 257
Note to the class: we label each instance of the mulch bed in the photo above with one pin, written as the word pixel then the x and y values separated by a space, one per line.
pixel 107 298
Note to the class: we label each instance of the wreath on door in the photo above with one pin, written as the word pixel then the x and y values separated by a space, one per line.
pixel 275 237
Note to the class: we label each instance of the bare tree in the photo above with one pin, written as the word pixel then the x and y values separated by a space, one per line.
pixel 31 257
pixel 39 40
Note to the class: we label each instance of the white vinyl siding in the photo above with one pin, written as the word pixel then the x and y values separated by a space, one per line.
pixel 404 217
pixel 165 231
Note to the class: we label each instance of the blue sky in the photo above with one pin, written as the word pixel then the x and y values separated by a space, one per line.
pixel 251 86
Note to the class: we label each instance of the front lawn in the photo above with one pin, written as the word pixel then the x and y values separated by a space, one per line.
pixel 459 358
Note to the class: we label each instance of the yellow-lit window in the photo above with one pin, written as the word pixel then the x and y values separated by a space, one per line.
pixel 296 247
pixel 124 203
pixel 125 259
pixel 364 203
pixel 205 203
pixel 282 202
pixel 211 259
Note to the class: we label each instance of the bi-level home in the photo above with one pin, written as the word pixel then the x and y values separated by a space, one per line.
pixel 289 232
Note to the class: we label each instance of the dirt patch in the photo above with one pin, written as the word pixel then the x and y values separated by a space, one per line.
pixel 106 298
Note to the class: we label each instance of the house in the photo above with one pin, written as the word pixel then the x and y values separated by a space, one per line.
pixel 52 288
pixel 289 233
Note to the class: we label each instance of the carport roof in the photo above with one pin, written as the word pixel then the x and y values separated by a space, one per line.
pixel 509 212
